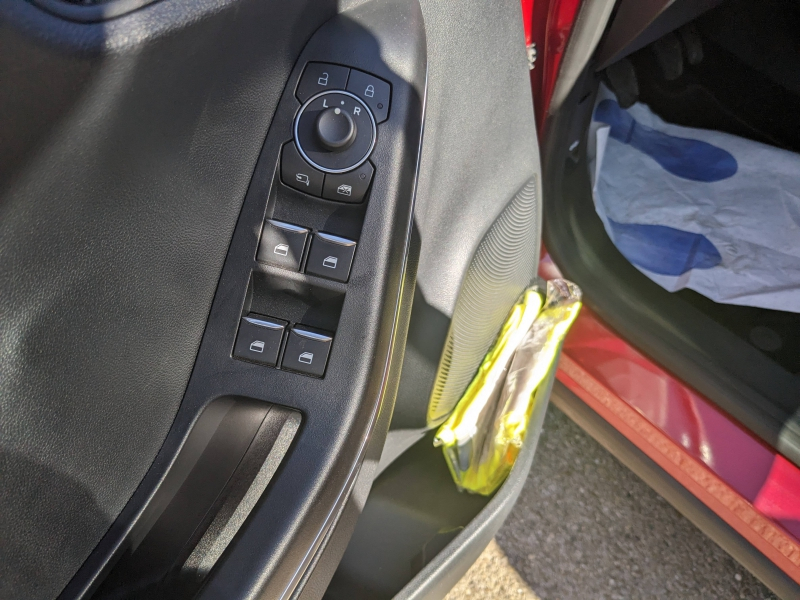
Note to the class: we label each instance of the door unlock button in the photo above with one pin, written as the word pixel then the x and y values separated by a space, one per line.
pixel 321 77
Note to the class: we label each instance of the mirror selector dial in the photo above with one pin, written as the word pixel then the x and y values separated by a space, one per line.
pixel 336 129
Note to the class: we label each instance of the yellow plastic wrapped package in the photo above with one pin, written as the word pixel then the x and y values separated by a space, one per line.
pixel 482 437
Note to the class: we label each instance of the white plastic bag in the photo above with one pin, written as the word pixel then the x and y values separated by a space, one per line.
pixel 698 209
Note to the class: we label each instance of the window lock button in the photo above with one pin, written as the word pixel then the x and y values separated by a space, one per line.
pixel 259 339
pixel 348 187
pixel 307 351
pixel 282 244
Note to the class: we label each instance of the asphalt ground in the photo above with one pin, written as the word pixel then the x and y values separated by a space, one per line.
pixel 585 527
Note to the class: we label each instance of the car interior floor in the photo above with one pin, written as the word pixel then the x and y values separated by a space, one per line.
pixel 734 69
pixel 746 84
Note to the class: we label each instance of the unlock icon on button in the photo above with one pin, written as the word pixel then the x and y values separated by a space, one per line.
pixel 323 80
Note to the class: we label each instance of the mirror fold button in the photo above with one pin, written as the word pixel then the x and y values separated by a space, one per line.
pixel 307 351
pixel 348 187
pixel 330 256
pixel 259 339
pixel 298 174
pixel 282 244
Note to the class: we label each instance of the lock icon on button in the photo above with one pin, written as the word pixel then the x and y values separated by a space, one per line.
pixel 370 91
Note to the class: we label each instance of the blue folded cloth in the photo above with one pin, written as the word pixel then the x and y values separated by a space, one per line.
pixel 689 159
pixel 664 250
pixel 698 209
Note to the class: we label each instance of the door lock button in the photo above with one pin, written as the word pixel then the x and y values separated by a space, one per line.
pixel 348 187
pixel 321 77
pixel 375 92
pixel 307 351
pixel 259 339
pixel 297 173
pixel 282 244
pixel 331 256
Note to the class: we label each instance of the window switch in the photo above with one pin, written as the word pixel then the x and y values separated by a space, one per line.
pixel 307 351
pixel 331 256
pixel 259 339
pixel 282 244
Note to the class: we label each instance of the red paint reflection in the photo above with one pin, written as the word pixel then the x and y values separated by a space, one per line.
pixel 754 470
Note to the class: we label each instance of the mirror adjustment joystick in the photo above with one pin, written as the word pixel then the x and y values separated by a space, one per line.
pixel 334 132
pixel 336 129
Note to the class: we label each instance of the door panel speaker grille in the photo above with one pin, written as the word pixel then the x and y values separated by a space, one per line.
pixel 503 266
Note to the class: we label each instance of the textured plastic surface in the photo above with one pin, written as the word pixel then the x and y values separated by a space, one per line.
pixel 412 512
pixel 124 162
pixel 443 572
pixel 502 267
pixel 135 142
pixel 167 140
pixel 480 158
pixel 91 13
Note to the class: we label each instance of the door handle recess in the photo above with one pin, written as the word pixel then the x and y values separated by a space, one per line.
pixel 223 467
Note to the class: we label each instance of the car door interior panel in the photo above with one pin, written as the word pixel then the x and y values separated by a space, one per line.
pixel 218 221
pixel 127 148
pixel 480 162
